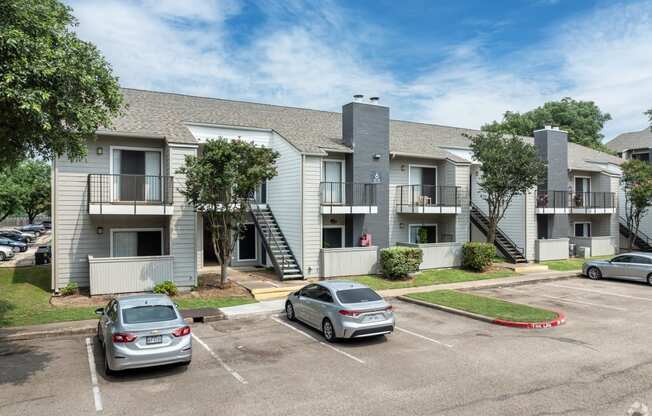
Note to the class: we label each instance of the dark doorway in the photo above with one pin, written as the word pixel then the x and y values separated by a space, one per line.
pixel 149 243
pixel 247 244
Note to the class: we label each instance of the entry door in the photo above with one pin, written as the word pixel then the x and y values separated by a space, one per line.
pixel 582 189
pixel 247 244
pixel 333 185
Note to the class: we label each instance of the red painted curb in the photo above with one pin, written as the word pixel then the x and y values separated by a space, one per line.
pixel 561 318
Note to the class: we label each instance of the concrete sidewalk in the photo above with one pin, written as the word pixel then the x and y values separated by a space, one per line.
pixel 502 281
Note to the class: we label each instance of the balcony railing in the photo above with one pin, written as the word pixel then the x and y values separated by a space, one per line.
pixel 575 200
pixel 348 193
pixel 129 190
pixel 416 197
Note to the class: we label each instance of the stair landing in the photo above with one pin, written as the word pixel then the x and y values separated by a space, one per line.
pixel 262 287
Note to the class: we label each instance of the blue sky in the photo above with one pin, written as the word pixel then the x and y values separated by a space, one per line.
pixel 460 63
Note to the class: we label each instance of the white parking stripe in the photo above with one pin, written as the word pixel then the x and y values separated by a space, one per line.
pixel 219 360
pixel 602 292
pixel 423 337
pixel 565 299
pixel 91 364
pixel 346 354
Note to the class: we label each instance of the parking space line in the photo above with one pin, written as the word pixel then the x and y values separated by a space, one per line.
pixel 423 337
pixel 95 387
pixel 219 360
pixel 602 292
pixel 566 300
pixel 346 354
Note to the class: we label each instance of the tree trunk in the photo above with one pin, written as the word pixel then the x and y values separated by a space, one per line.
pixel 224 271
pixel 32 216
pixel 491 232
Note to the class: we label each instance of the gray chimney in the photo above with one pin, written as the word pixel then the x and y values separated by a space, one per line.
pixel 365 128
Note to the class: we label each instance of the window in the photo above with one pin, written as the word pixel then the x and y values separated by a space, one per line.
pixel 310 291
pixel 323 294
pixel 582 229
pixel 359 295
pixel 622 259
pixel 333 178
pixel 333 236
pixel 582 196
pixel 151 313
pixel 423 233
pixel 641 260
pixel 136 242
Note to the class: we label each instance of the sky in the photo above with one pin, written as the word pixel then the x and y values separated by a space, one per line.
pixel 460 63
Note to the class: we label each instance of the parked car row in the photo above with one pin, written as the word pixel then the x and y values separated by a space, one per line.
pixel 17 240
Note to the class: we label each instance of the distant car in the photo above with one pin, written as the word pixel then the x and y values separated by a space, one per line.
pixel 6 253
pixel 16 245
pixel 37 229
pixel 47 224
pixel 341 309
pixel 17 236
pixel 143 331
pixel 631 266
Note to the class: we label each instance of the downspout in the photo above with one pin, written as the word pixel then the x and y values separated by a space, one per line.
pixel 53 215
pixel 303 237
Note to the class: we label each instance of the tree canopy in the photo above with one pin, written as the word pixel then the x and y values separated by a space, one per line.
pixel 637 186
pixel 55 89
pixel 583 120
pixel 25 189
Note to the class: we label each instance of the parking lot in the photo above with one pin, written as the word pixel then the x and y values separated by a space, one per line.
pixel 598 363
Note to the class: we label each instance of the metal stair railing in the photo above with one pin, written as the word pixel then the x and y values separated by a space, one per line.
pixel 268 236
pixel 640 235
pixel 498 230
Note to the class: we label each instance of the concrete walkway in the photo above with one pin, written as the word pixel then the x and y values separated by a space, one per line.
pixel 265 307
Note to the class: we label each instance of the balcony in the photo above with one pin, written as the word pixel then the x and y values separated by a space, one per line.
pixel 348 198
pixel 110 194
pixel 564 202
pixel 428 199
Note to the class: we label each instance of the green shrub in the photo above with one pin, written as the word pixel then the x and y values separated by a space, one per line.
pixel 70 289
pixel 477 256
pixel 399 262
pixel 167 287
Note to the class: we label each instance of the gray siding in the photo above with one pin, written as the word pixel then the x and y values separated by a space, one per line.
pixel 312 217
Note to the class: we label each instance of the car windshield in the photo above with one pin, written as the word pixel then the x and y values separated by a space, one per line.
pixel 359 295
pixel 150 313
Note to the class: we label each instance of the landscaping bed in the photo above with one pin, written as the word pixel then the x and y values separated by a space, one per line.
pixel 496 309
pixel 432 277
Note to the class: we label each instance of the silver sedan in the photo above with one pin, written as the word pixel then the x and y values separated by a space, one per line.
pixel 630 266
pixel 143 331
pixel 341 309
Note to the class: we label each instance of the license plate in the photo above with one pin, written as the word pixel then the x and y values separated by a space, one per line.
pixel 375 317
pixel 157 339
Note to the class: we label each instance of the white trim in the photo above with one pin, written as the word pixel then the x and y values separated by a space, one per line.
pixel 189 146
pixel 114 230
pixel 584 229
pixel 342 227
pixel 410 226
pixel 255 258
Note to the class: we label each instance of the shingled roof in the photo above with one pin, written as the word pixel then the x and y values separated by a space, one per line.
pixel 632 140
pixel 157 114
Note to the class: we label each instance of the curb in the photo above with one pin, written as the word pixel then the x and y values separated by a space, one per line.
pixel 27 335
pixel 561 318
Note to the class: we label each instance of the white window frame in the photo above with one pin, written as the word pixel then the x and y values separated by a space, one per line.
pixel 342 163
pixel 410 226
pixel 340 226
pixel 255 243
pixel 582 177
pixel 416 165
pixel 118 230
pixel 590 229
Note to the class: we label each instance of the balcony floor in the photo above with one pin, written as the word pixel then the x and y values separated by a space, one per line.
pixel 576 210
pixel 427 209
pixel 130 209
pixel 348 209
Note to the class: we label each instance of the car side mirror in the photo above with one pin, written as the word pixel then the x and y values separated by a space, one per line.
pixel 99 311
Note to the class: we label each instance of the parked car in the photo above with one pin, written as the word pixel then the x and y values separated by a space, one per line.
pixel 631 266
pixel 16 245
pixel 17 236
pixel 47 224
pixel 29 234
pixel 341 309
pixel 37 229
pixel 143 331
pixel 43 255
pixel 6 253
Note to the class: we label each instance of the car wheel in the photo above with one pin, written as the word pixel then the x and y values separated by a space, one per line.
pixel 2 256
pixel 289 311
pixel 649 279
pixel 594 273
pixel 328 330
pixel 99 336
pixel 107 368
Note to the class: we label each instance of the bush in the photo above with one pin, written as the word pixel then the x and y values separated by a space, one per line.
pixel 399 262
pixel 478 256
pixel 167 287
pixel 70 289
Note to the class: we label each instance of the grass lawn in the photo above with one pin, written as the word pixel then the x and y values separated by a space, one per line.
pixel 25 295
pixel 482 305
pixel 430 277
pixel 570 264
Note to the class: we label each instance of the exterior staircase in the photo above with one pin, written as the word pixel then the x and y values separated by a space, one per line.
pixel 642 241
pixel 276 246
pixel 504 244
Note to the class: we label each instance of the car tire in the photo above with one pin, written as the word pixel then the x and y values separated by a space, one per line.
pixel 2 256
pixel 594 273
pixel 649 279
pixel 289 311
pixel 328 330
pixel 107 369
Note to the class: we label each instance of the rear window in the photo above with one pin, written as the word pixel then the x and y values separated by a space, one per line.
pixel 145 314
pixel 359 295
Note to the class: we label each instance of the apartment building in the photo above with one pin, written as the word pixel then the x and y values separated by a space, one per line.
pixel 348 184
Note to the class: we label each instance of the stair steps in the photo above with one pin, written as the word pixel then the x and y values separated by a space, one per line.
pixel 502 242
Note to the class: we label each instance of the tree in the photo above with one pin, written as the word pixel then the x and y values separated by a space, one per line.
pixel 637 186
pixel 583 120
pixel 10 196
pixel 33 178
pixel 510 167
pixel 649 114
pixel 55 90
pixel 219 184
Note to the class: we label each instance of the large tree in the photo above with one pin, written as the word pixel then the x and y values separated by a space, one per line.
pixel 509 167
pixel 219 184
pixel 583 120
pixel 10 195
pixel 637 187
pixel 55 89
pixel 33 178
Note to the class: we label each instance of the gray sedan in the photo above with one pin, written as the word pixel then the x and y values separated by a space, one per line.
pixel 341 309
pixel 629 266
pixel 143 331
